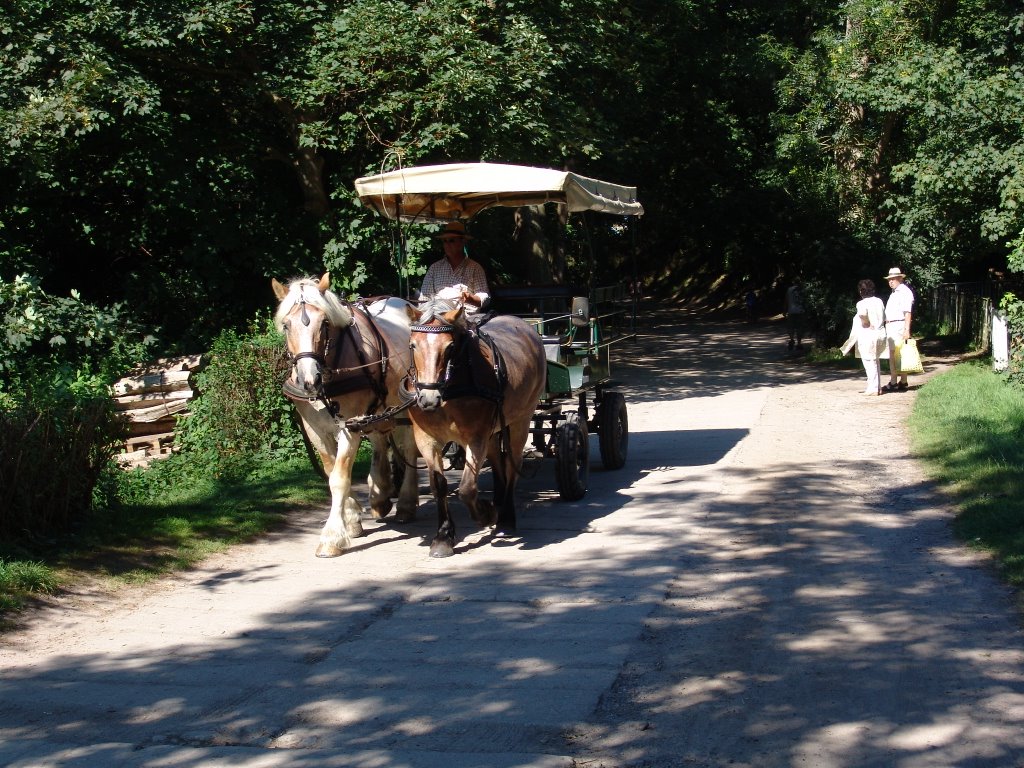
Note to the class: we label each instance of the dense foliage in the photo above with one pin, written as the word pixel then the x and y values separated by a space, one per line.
pixel 58 430
pixel 175 156
pixel 53 450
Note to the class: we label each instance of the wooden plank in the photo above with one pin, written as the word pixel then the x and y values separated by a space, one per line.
pixel 131 457
pixel 149 399
pixel 165 381
pixel 167 364
pixel 165 424
pixel 156 412
pixel 155 443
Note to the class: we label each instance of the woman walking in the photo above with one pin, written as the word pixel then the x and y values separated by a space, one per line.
pixel 868 334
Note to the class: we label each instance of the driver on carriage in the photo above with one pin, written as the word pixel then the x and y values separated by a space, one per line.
pixel 457 276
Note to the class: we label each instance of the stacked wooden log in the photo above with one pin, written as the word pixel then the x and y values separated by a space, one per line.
pixel 151 400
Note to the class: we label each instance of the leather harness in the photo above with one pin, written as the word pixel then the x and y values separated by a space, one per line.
pixel 346 367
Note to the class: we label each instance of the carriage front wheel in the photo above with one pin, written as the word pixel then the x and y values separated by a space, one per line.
pixel 613 430
pixel 572 458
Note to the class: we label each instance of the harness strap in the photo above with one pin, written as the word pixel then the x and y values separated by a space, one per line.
pixel 378 384
pixel 501 373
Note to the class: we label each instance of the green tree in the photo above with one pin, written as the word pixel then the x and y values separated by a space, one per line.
pixel 177 155
pixel 897 123
pixel 905 123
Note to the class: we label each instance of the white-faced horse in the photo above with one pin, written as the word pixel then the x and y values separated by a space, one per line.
pixel 348 361
pixel 478 386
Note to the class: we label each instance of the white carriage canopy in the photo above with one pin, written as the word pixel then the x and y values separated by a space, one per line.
pixel 440 193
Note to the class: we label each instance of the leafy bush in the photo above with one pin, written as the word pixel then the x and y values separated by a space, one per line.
pixel 1013 308
pixel 43 333
pixel 58 430
pixel 240 414
pixel 54 446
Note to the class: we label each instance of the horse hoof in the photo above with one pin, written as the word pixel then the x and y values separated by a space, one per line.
pixel 441 549
pixel 381 511
pixel 405 517
pixel 329 550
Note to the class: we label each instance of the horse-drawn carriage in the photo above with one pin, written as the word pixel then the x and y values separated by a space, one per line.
pixel 488 386
pixel 579 325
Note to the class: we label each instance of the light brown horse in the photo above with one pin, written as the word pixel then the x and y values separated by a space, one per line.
pixel 478 386
pixel 348 361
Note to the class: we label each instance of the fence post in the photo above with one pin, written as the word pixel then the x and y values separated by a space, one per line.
pixel 1000 342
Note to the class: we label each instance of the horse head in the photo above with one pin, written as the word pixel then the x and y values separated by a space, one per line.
pixel 434 341
pixel 309 316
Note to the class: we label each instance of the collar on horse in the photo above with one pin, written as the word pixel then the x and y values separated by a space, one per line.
pixel 340 377
pixel 468 373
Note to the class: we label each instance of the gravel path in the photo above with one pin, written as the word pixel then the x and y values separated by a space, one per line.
pixel 769 581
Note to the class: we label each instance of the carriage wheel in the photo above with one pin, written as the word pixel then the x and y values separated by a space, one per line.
pixel 613 430
pixel 572 459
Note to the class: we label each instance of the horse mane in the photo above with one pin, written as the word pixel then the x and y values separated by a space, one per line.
pixel 436 308
pixel 338 313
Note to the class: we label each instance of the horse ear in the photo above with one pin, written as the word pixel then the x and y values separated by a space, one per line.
pixel 453 317
pixel 325 283
pixel 413 313
pixel 279 290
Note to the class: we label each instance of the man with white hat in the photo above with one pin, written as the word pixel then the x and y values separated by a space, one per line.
pixel 456 276
pixel 898 314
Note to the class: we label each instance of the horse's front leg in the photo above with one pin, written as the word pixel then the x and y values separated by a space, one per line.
pixel 343 522
pixel 443 544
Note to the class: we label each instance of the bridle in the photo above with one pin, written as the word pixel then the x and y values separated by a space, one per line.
pixel 325 338
pixel 460 355
pixel 442 384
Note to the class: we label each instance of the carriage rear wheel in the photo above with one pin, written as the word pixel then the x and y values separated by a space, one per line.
pixel 613 430
pixel 572 458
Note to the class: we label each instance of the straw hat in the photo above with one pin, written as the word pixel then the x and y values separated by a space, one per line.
pixel 455 228
pixel 894 272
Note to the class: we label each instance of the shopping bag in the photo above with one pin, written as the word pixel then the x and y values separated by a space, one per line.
pixel 910 358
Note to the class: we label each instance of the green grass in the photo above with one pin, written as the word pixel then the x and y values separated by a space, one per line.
pixel 169 518
pixel 20 578
pixel 967 425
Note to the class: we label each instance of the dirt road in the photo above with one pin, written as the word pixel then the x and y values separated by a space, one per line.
pixel 769 581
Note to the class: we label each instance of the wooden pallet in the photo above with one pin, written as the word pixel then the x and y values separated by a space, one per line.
pixel 152 400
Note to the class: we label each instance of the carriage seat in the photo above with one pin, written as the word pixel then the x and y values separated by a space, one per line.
pixel 553 346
